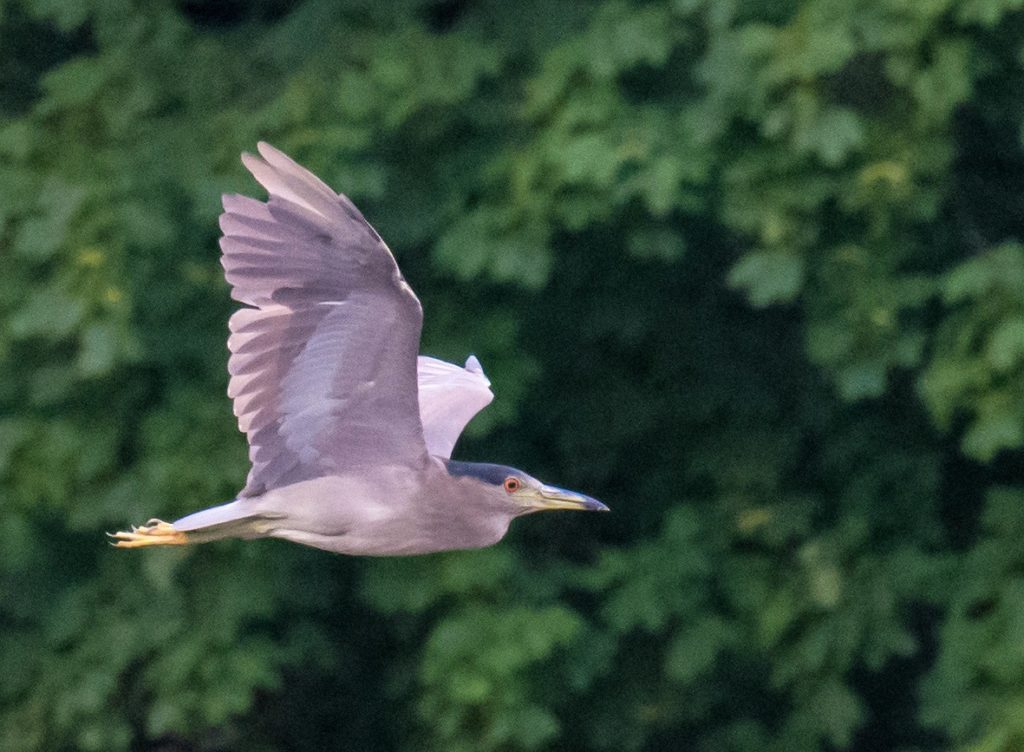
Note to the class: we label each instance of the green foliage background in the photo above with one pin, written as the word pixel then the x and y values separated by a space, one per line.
pixel 749 271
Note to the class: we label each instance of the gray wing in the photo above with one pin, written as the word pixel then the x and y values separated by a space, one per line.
pixel 323 365
pixel 450 396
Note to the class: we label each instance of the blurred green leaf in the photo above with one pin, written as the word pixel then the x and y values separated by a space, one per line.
pixel 693 652
pixel 768 277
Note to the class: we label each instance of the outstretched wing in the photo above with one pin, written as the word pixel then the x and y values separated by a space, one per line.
pixel 323 365
pixel 449 398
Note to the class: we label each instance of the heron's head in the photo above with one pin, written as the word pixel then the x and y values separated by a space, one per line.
pixel 521 493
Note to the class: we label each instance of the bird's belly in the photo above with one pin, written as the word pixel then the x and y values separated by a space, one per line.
pixel 397 536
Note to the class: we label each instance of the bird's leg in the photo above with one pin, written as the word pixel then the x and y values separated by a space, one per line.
pixel 153 533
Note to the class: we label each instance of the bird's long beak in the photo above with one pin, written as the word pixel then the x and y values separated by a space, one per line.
pixel 552 497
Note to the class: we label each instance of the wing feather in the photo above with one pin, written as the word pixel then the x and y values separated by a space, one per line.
pixel 323 364
pixel 449 397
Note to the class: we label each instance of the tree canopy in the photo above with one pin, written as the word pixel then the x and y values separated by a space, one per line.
pixel 750 272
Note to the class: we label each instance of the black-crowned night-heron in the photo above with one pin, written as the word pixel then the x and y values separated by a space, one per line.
pixel 350 431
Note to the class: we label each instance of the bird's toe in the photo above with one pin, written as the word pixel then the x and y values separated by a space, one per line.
pixel 153 533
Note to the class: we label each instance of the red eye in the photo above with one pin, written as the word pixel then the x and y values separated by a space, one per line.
pixel 512 484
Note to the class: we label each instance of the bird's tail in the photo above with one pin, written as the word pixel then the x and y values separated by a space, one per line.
pixel 236 519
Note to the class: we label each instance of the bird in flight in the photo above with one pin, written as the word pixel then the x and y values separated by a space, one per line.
pixel 350 430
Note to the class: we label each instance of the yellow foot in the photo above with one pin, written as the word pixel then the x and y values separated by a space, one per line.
pixel 153 533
